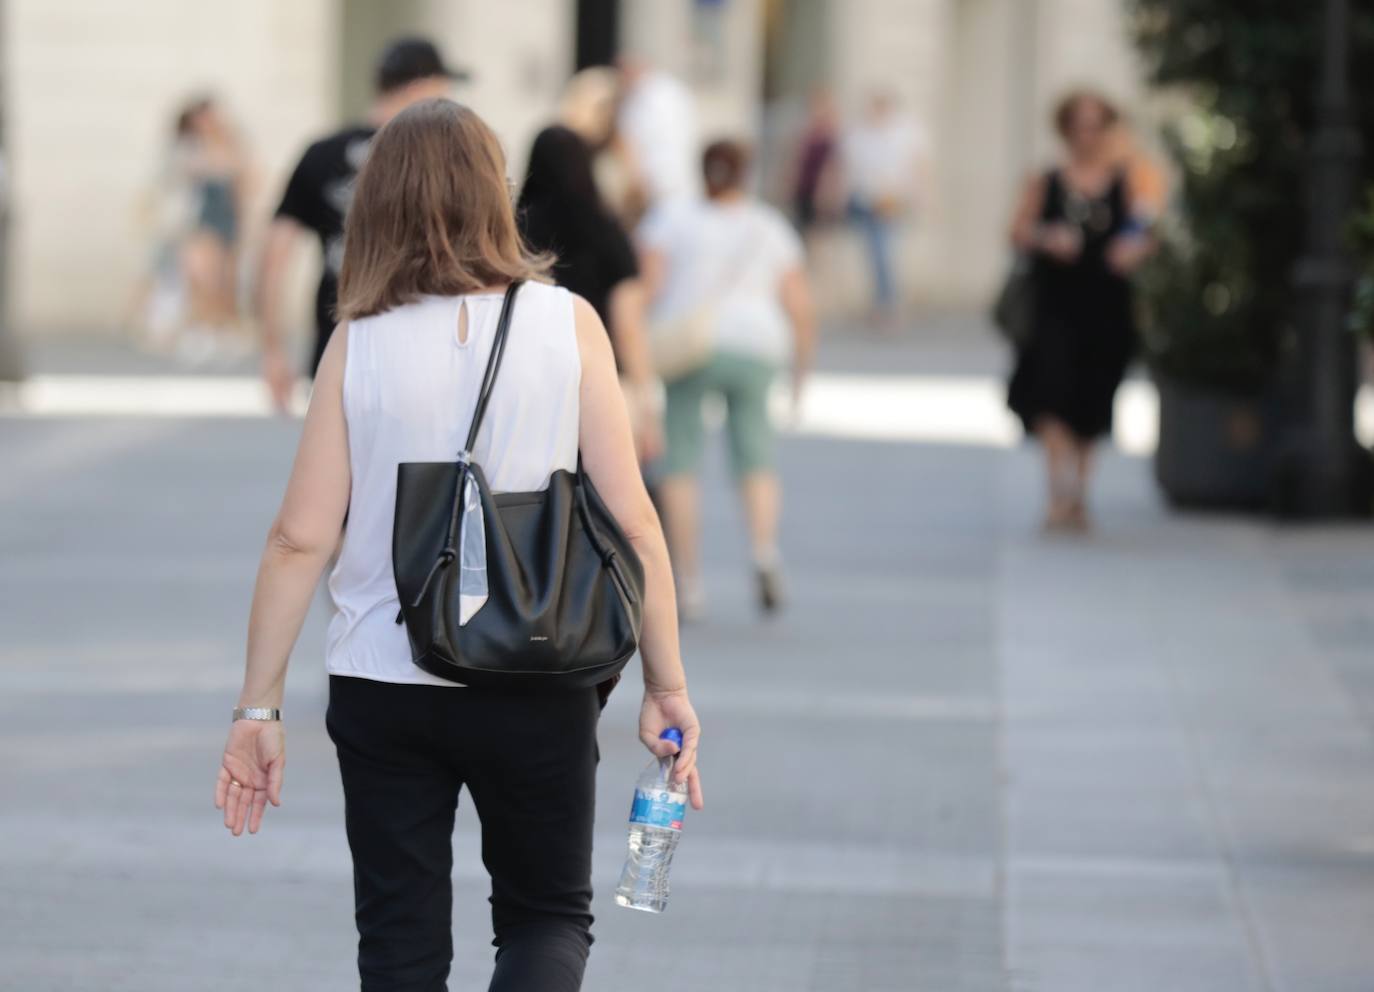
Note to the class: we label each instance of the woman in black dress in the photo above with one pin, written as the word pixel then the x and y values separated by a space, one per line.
pixel 1085 230
pixel 561 212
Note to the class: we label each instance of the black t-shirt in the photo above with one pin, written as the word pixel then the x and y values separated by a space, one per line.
pixel 317 197
pixel 594 255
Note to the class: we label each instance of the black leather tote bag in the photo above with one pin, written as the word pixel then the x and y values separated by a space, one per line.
pixel 1014 311
pixel 565 589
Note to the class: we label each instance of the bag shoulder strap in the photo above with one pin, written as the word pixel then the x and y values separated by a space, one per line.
pixel 498 350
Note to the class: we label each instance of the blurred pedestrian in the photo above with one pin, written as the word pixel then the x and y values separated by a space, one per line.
pixel 733 264
pixel 210 173
pixel 883 161
pixel 431 250
pixel 657 119
pixel 816 190
pixel 561 212
pixel 317 197
pixel 1085 227
pixel 589 106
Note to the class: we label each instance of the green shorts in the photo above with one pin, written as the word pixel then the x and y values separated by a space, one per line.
pixel 744 383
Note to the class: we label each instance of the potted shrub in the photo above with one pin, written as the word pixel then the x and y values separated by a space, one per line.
pixel 1217 303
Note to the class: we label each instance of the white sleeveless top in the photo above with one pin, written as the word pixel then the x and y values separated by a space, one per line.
pixel 409 391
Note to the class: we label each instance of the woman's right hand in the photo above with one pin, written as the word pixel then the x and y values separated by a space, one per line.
pixel 250 773
pixel 672 708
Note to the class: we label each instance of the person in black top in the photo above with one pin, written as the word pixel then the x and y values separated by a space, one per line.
pixel 1086 226
pixel 317 197
pixel 561 212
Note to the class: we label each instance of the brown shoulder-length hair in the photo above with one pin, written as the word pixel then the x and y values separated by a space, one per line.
pixel 431 214
pixel 1067 106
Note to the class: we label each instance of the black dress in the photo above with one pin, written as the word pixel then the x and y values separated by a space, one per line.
pixel 1083 334
pixel 594 255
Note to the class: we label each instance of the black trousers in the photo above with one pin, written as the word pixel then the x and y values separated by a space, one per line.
pixel 529 763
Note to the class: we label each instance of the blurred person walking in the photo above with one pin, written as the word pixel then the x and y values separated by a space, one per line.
pixel 589 106
pixel 317 198
pixel 657 119
pixel 431 252
pixel 200 211
pixel 561 212
pixel 1085 227
pixel 734 265
pixel 883 157
pixel 816 173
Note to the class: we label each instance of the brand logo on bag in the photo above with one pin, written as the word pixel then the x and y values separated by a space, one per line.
pixel 536 637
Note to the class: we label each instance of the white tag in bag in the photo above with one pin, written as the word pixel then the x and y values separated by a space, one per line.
pixel 472 570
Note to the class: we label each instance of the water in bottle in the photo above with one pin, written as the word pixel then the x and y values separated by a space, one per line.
pixel 655 826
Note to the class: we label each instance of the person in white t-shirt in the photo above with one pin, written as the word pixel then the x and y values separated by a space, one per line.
pixel 738 262
pixel 882 157
pixel 657 120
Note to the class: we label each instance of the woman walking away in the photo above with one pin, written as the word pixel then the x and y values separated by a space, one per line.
pixel 1085 231
pixel 815 172
pixel 736 264
pixel 210 161
pixel 562 214
pixel 430 248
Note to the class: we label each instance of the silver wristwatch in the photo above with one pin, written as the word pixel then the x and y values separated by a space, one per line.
pixel 257 713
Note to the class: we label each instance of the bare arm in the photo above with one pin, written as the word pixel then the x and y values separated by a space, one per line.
pixel 304 535
pixel 283 234
pixel 1026 219
pixel 608 455
pixel 299 545
pixel 1131 249
pixel 627 306
pixel 652 272
pixel 795 291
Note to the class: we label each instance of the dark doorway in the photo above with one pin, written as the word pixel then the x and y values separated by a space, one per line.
pixel 598 32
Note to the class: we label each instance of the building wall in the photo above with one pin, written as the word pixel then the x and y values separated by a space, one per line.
pixel 90 89
pixel 90 92
pixel 716 48
pixel 520 53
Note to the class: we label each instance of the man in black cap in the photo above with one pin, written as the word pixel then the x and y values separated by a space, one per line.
pixel 318 194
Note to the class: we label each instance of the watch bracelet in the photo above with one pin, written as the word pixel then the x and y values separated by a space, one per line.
pixel 265 713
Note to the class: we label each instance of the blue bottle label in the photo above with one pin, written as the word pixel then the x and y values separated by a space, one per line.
pixel 657 808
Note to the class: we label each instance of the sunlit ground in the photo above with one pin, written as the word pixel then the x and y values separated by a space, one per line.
pixel 935 409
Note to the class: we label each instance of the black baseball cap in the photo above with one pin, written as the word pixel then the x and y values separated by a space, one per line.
pixel 408 59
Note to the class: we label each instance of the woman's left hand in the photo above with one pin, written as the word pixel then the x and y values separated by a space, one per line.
pixel 1127 252
pixel 671 708
pixel 250 773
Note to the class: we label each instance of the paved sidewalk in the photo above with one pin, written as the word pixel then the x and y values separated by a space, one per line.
pixel 968 758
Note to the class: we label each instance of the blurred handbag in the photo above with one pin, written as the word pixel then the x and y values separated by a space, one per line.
pixel 1014 310
pixel 680 346
pixel 536 590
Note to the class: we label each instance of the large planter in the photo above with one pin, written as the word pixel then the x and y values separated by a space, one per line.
pixel 1216 450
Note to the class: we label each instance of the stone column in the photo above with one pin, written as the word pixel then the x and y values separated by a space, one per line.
pixel 715 46
pixel 520 53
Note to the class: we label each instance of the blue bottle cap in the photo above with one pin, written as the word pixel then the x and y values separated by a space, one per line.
pixel 672 734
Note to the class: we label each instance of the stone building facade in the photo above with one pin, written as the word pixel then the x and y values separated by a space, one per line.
pixel 89 89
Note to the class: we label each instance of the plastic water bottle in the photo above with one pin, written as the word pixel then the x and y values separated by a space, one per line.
pixel 655 826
